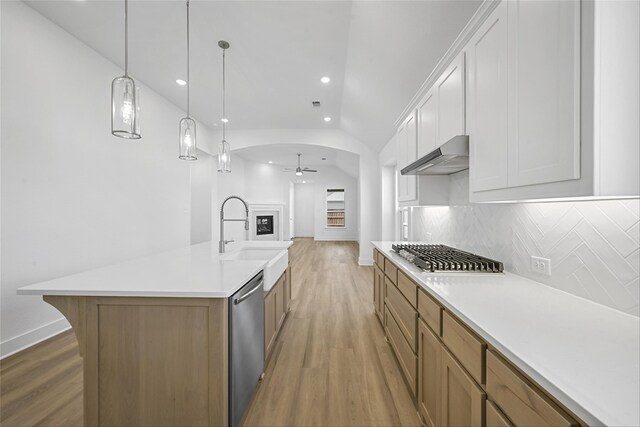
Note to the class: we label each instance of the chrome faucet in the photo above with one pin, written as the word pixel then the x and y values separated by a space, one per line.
pixel 223 220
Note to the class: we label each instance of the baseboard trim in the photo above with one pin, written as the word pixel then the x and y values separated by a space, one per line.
pixel 33 337
pixel 365 261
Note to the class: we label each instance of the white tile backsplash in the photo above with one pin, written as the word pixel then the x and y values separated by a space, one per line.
pixel 592 245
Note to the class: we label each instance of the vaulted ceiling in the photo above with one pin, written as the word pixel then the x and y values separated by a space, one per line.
pixel 377 54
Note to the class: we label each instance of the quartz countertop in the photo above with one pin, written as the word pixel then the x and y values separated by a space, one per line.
pixel 585 354
pixel 195 271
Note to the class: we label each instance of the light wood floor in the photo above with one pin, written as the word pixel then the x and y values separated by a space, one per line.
pixel 330 365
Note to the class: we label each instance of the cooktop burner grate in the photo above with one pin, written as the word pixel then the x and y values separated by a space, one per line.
pixel 435 257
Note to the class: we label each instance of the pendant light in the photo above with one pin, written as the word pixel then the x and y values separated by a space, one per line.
pixel 224 151
pixel 187 124
pixel 125 96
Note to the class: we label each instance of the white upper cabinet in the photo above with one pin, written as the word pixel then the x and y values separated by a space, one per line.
pixel 487 103
pixel 406 140
pixel 428 123
pixel 544 91
pixel 548 92
pixel 572 101
pixel 451 102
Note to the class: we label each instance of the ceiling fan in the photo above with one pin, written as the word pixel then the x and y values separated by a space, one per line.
pixel 299 170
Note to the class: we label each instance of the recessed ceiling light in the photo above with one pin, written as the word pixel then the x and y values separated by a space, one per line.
pixel 304 182
pixel 325 79
pixel 224 120
pixel 181 82
pixel 270 162
pixel 327 119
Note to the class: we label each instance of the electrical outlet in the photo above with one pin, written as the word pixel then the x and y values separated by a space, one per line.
pixel 541 265
pixel 428 237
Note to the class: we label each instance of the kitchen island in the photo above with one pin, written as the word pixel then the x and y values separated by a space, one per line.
pixel 153 333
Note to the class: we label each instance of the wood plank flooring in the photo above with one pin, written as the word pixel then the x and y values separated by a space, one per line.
pixel 330 365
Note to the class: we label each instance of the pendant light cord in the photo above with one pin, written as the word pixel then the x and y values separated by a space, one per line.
pixel 188 71
pixel 126 38
pixel 224 85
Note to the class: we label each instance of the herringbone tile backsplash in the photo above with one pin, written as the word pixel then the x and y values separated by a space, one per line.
pixel 593 246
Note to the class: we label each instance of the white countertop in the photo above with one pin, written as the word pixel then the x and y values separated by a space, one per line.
pixel 585 354
pixel 194 271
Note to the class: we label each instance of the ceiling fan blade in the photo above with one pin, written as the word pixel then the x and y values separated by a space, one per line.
pixel 309 170
pixel 288 170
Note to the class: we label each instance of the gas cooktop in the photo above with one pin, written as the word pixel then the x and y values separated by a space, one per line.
pixel 437 258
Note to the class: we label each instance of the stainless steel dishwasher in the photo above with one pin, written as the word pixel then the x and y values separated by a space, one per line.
pixel 246 345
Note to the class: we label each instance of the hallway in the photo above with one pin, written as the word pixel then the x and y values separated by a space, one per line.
pixel 331 365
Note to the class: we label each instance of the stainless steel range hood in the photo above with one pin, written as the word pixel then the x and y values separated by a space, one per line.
pixel 450 157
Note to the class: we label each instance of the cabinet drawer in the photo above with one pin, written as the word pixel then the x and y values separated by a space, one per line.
pixel 495 417
pixel 404 314
pixel 407 359
pixel 520 401
pixel 408 289
pixel 391 271
pixel 465 346
pixel 430 311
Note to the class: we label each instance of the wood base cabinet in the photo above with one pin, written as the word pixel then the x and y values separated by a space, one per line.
pixel 462 399
pixel 151 361
pixel 495 417
pixel 429 375
pixel 276 306
pixel 378 293
pixel 454 376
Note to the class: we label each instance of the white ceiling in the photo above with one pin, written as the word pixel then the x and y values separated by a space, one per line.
pixel 377 54
pixel 285 155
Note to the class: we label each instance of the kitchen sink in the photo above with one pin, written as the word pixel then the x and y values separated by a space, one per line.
pixel 277 258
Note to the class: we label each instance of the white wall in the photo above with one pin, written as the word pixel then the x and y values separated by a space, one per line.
pixel 73 196
pixel 304 210
pixel 593 246
pixel 333 177
pixel 266 184
pixel 368 167
pixel 231 184
pixel 261 183
pixel 203 179
pixel 389 224
pixel 291 210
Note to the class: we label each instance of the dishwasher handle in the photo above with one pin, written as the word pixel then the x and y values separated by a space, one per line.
pixel 237 301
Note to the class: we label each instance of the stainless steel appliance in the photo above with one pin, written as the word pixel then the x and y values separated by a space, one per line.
pixel 442 258
pixel 246 345
pixel 450 157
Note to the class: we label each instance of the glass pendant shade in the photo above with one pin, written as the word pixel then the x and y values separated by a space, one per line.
pixel 187 139
pixel 125 108
pixel 224 157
